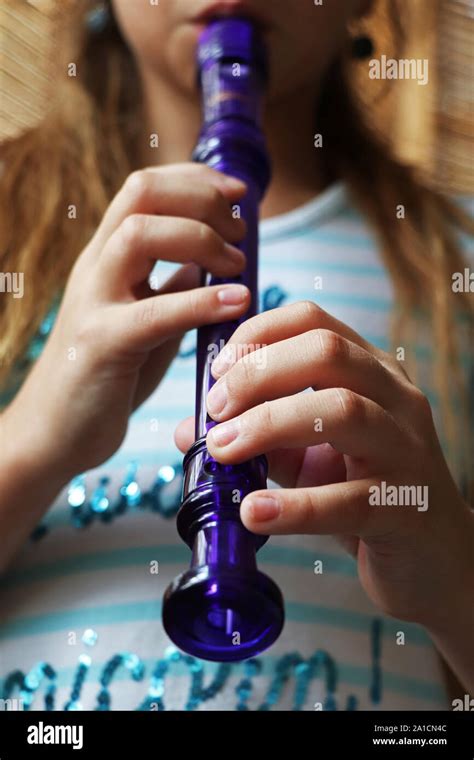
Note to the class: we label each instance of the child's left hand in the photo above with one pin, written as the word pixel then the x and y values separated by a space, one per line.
pixel 364 424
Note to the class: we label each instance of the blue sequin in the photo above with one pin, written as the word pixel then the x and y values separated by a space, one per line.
pixel 130 489
pixel 99 501
pixel 166 473
pixel 127 659
pixel 89 637
pixel 291 664
pixel 77 492
pixel 133 663
pixel 30 683
pixel 80 676
pixel 163 498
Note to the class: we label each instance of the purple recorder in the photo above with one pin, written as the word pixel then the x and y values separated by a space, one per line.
pixel 223 608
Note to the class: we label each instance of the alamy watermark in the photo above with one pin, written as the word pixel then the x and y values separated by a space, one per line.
pixel 12 282
pixel 403 68
pixel 466 704
pixel 11 705
pixel 42 733
pixel 233 352
pixel 399 496
pixel 463 282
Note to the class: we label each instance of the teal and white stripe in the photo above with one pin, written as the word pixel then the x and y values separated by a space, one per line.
pixel 99 578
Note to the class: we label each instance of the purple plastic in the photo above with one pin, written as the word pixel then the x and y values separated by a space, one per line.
pixel 223 608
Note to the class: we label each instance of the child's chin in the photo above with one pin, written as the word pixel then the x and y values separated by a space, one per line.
pixel 181 59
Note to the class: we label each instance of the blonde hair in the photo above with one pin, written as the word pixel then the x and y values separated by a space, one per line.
pixel 83 150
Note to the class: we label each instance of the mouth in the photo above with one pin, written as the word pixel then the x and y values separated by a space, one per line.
pixel 229 9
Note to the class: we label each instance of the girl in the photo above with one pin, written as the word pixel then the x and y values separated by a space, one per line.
pixel 92 199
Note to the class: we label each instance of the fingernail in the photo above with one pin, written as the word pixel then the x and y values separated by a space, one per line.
pixel 217 398
pixel 262 508
pixel 224 434
pixel 233 295
pixel 234 183
pixel 223 361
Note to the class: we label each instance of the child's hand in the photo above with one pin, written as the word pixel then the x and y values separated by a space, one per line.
pixel 331 449
pixel 114 337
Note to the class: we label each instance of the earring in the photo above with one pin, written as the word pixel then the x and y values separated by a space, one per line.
pixel 98 18
pixel 362 47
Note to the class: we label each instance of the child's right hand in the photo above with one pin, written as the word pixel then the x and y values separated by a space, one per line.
pixel 114 337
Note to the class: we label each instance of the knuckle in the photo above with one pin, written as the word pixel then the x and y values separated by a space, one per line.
pixel 206 236
pixel 208 200
pixel 137 185
pixel 421 405
pixel 149 311
pixel 132 230
pixel 212 198
pixel 307 515
pixel 352 405
pixel 308 310
pixel 195 305
pixel 394 367
pixel 249 336
pixel 332 346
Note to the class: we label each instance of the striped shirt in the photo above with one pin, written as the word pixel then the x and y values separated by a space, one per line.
pixel 81 606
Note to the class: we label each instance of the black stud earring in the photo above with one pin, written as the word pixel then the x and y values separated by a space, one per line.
pixel 362 47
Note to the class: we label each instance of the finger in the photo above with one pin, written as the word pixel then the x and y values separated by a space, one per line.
pixel 318 358
pixel 151 320
pixel 352 424
pixel 320 466
pixel 283 464
pixel 184 434
pixel 314 465
pixel 189 189
pixel 285 322
pixel 132 251
pixel 343 508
